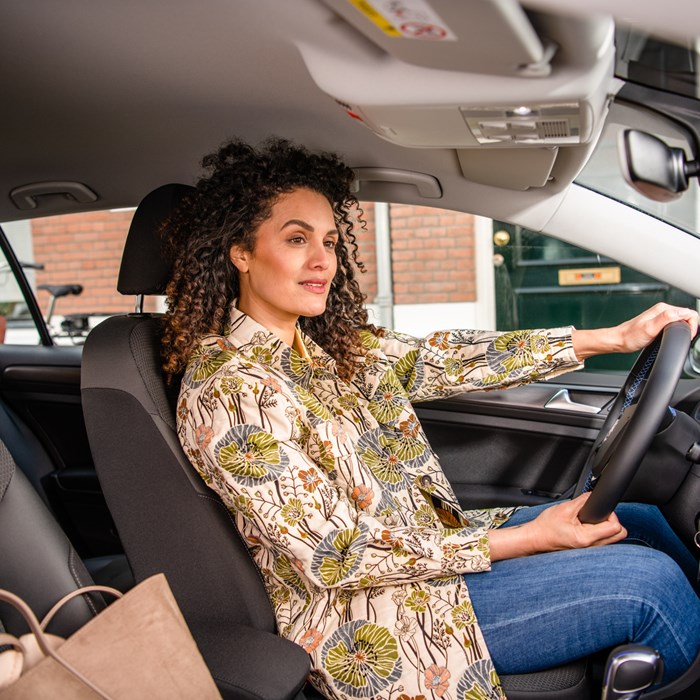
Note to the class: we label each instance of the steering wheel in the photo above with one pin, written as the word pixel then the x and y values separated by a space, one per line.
pixel 633 421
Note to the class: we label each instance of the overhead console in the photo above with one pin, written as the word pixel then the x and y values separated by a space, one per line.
pixel 479 77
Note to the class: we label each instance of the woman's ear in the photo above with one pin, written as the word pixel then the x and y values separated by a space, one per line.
pixel 239 258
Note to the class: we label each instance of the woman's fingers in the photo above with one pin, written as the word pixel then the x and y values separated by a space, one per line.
pixel 631 335
pixel 554 529
pixel 558 527
pixel 598 534
pixel 642 329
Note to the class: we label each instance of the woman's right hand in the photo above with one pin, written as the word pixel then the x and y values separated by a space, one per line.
pixel 554 529
pixel 558 527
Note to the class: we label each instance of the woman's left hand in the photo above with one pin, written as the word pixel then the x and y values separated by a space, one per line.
pixel 632 335
pixel 639 331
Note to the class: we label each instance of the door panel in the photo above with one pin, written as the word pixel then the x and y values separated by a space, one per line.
pixel 43 426
pixel 509 447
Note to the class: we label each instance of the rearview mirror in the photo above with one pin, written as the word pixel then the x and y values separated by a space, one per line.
pixel 653 168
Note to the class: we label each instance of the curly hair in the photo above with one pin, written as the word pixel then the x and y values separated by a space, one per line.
pixel 226 208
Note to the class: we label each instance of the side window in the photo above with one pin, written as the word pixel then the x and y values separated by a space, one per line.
pixel 427 269
pixel 432 269
pixel 543 281
pixel 71 263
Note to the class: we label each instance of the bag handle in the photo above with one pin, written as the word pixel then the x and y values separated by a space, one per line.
pixel 74 594
pixel 37 628
pixel 30 618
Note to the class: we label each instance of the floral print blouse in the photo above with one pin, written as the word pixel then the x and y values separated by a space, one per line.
pixel 334 488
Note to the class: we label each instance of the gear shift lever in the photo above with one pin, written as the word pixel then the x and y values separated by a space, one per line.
pixel 630 670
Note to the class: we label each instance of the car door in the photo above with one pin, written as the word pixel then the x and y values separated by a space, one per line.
pixel 528 444
pixel 516 447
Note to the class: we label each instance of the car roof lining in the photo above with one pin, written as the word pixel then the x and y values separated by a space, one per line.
pixel 122 97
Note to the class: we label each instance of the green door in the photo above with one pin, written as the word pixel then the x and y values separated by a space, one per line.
pixel 544 282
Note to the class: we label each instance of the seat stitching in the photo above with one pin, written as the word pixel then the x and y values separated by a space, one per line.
pixel 76 578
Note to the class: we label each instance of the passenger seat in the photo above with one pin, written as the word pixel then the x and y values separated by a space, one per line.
pixel 35 465
pixel 38 562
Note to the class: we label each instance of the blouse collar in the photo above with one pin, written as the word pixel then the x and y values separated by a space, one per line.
pixel 257 343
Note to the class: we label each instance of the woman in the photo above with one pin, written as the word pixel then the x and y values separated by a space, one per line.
pixel 297 412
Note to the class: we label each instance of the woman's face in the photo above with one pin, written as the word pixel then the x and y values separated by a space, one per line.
pixel 289 272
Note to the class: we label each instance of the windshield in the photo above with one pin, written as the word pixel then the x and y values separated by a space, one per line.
pixel 647 60
pixel 672 67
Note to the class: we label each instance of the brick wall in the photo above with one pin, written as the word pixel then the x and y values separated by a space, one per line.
pixel 432 257
pixel 82 249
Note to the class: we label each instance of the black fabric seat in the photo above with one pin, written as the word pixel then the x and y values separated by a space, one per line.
pixel 38 562
pixel 167 519
pixel 170 521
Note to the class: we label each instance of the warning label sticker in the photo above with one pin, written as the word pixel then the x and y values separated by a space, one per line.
pixel 408 19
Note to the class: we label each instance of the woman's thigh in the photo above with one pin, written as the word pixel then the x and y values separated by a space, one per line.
pixel 544 610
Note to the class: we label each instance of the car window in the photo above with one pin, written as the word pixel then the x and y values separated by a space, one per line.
pixel 426 269
pixel 422 268
pixel 71 263
pixel 452 270
pixel 16 323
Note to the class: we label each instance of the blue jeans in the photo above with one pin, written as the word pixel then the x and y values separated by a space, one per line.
pixel 544 610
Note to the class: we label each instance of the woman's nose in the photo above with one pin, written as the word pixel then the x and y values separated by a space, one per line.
pixel 319 256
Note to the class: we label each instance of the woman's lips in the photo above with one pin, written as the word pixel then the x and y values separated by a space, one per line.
pixel 314 286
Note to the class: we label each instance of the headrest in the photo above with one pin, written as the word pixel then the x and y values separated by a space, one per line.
pixel 144 269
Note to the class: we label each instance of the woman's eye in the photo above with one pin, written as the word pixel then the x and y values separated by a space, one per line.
pixel 331 244
pixel 297 239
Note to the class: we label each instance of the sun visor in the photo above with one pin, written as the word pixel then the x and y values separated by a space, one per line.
pixel 500 39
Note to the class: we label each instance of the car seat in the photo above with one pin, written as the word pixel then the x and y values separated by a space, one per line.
pixel 167 519
pixel 31 458
pixel 39 563
pixel 170 521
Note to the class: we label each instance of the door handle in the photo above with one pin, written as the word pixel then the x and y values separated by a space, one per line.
pixel 561 401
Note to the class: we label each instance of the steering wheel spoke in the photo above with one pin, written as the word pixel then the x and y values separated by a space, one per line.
pixel 610 442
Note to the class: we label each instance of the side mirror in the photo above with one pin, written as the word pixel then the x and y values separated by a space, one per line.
pixel 653 168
